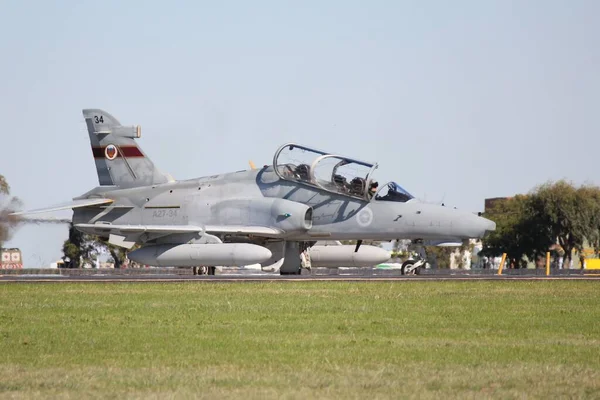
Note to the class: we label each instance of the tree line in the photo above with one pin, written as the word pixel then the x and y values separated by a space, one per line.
pixel 8 204
pixel 81 248
pixel 557 216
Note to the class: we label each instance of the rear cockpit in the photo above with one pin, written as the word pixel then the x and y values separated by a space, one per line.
pixel 330 172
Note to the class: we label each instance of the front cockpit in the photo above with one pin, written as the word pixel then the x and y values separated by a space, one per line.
pixel 334 173
pixel 393 192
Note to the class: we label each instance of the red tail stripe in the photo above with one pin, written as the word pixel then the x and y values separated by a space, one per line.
pixel 126 151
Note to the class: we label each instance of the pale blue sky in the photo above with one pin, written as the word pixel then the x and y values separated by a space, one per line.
pixel 458 100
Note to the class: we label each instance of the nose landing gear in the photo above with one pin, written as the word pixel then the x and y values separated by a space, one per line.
pixel 417 260
pixel 412 267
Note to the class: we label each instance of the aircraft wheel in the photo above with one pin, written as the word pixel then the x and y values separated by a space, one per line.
pixel 299 272
pixel 408 264
pixel 203 270
pixel 211 270
pixel 194 270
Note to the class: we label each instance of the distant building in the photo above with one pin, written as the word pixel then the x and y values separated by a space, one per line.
pixel 11 259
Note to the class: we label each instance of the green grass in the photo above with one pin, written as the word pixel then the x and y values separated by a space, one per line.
pixel 502 339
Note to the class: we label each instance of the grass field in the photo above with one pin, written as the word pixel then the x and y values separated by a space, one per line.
pixel 502 339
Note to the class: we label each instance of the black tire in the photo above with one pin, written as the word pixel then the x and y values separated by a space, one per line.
pixel 212 270
pixel 299 272
pixel 409 263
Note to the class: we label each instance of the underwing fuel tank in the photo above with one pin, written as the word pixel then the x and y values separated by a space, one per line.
pixel 191 255
pixel 345 256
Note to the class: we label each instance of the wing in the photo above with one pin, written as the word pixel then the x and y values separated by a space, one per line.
pixel 171 229
pixel 127 235
pixel 245 230
pixel 131 229
pixel 67 206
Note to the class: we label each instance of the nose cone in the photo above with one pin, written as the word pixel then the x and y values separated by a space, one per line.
pixel 490 226
pixel 145 255
pixel 471 226
pixel 371 255
pixel 475 227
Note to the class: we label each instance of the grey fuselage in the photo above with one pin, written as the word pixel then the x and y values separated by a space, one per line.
pixel 230 199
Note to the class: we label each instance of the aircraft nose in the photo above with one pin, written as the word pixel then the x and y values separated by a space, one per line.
pixel 473 226
pixel 484 226
pixel 489 225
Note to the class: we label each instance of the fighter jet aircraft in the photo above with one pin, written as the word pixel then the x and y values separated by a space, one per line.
pixel 267 216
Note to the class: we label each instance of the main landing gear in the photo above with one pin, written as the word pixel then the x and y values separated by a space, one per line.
pixel 203 270
pixel 296 258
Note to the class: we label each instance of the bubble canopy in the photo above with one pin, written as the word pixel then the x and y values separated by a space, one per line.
pixel 330 172
pixel 393 192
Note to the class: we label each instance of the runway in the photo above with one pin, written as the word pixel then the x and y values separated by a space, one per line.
pixel 249 278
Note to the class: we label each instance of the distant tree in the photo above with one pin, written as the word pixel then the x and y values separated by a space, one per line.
pixel 555 212
pixel 8 204
pixel 591 213
pixel 79 249
pixel 117 253
pixel 520 231
pixel 400 247
pixel 4 187
pixel 570 214
pixel 439 256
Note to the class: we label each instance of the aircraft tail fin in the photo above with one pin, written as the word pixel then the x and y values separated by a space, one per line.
pixel 119 160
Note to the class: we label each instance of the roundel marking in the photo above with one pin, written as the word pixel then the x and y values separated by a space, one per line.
pixel 110 152
pixel 364 217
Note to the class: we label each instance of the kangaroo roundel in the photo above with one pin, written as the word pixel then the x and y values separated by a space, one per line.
pixel 110 152
pixel 364 217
